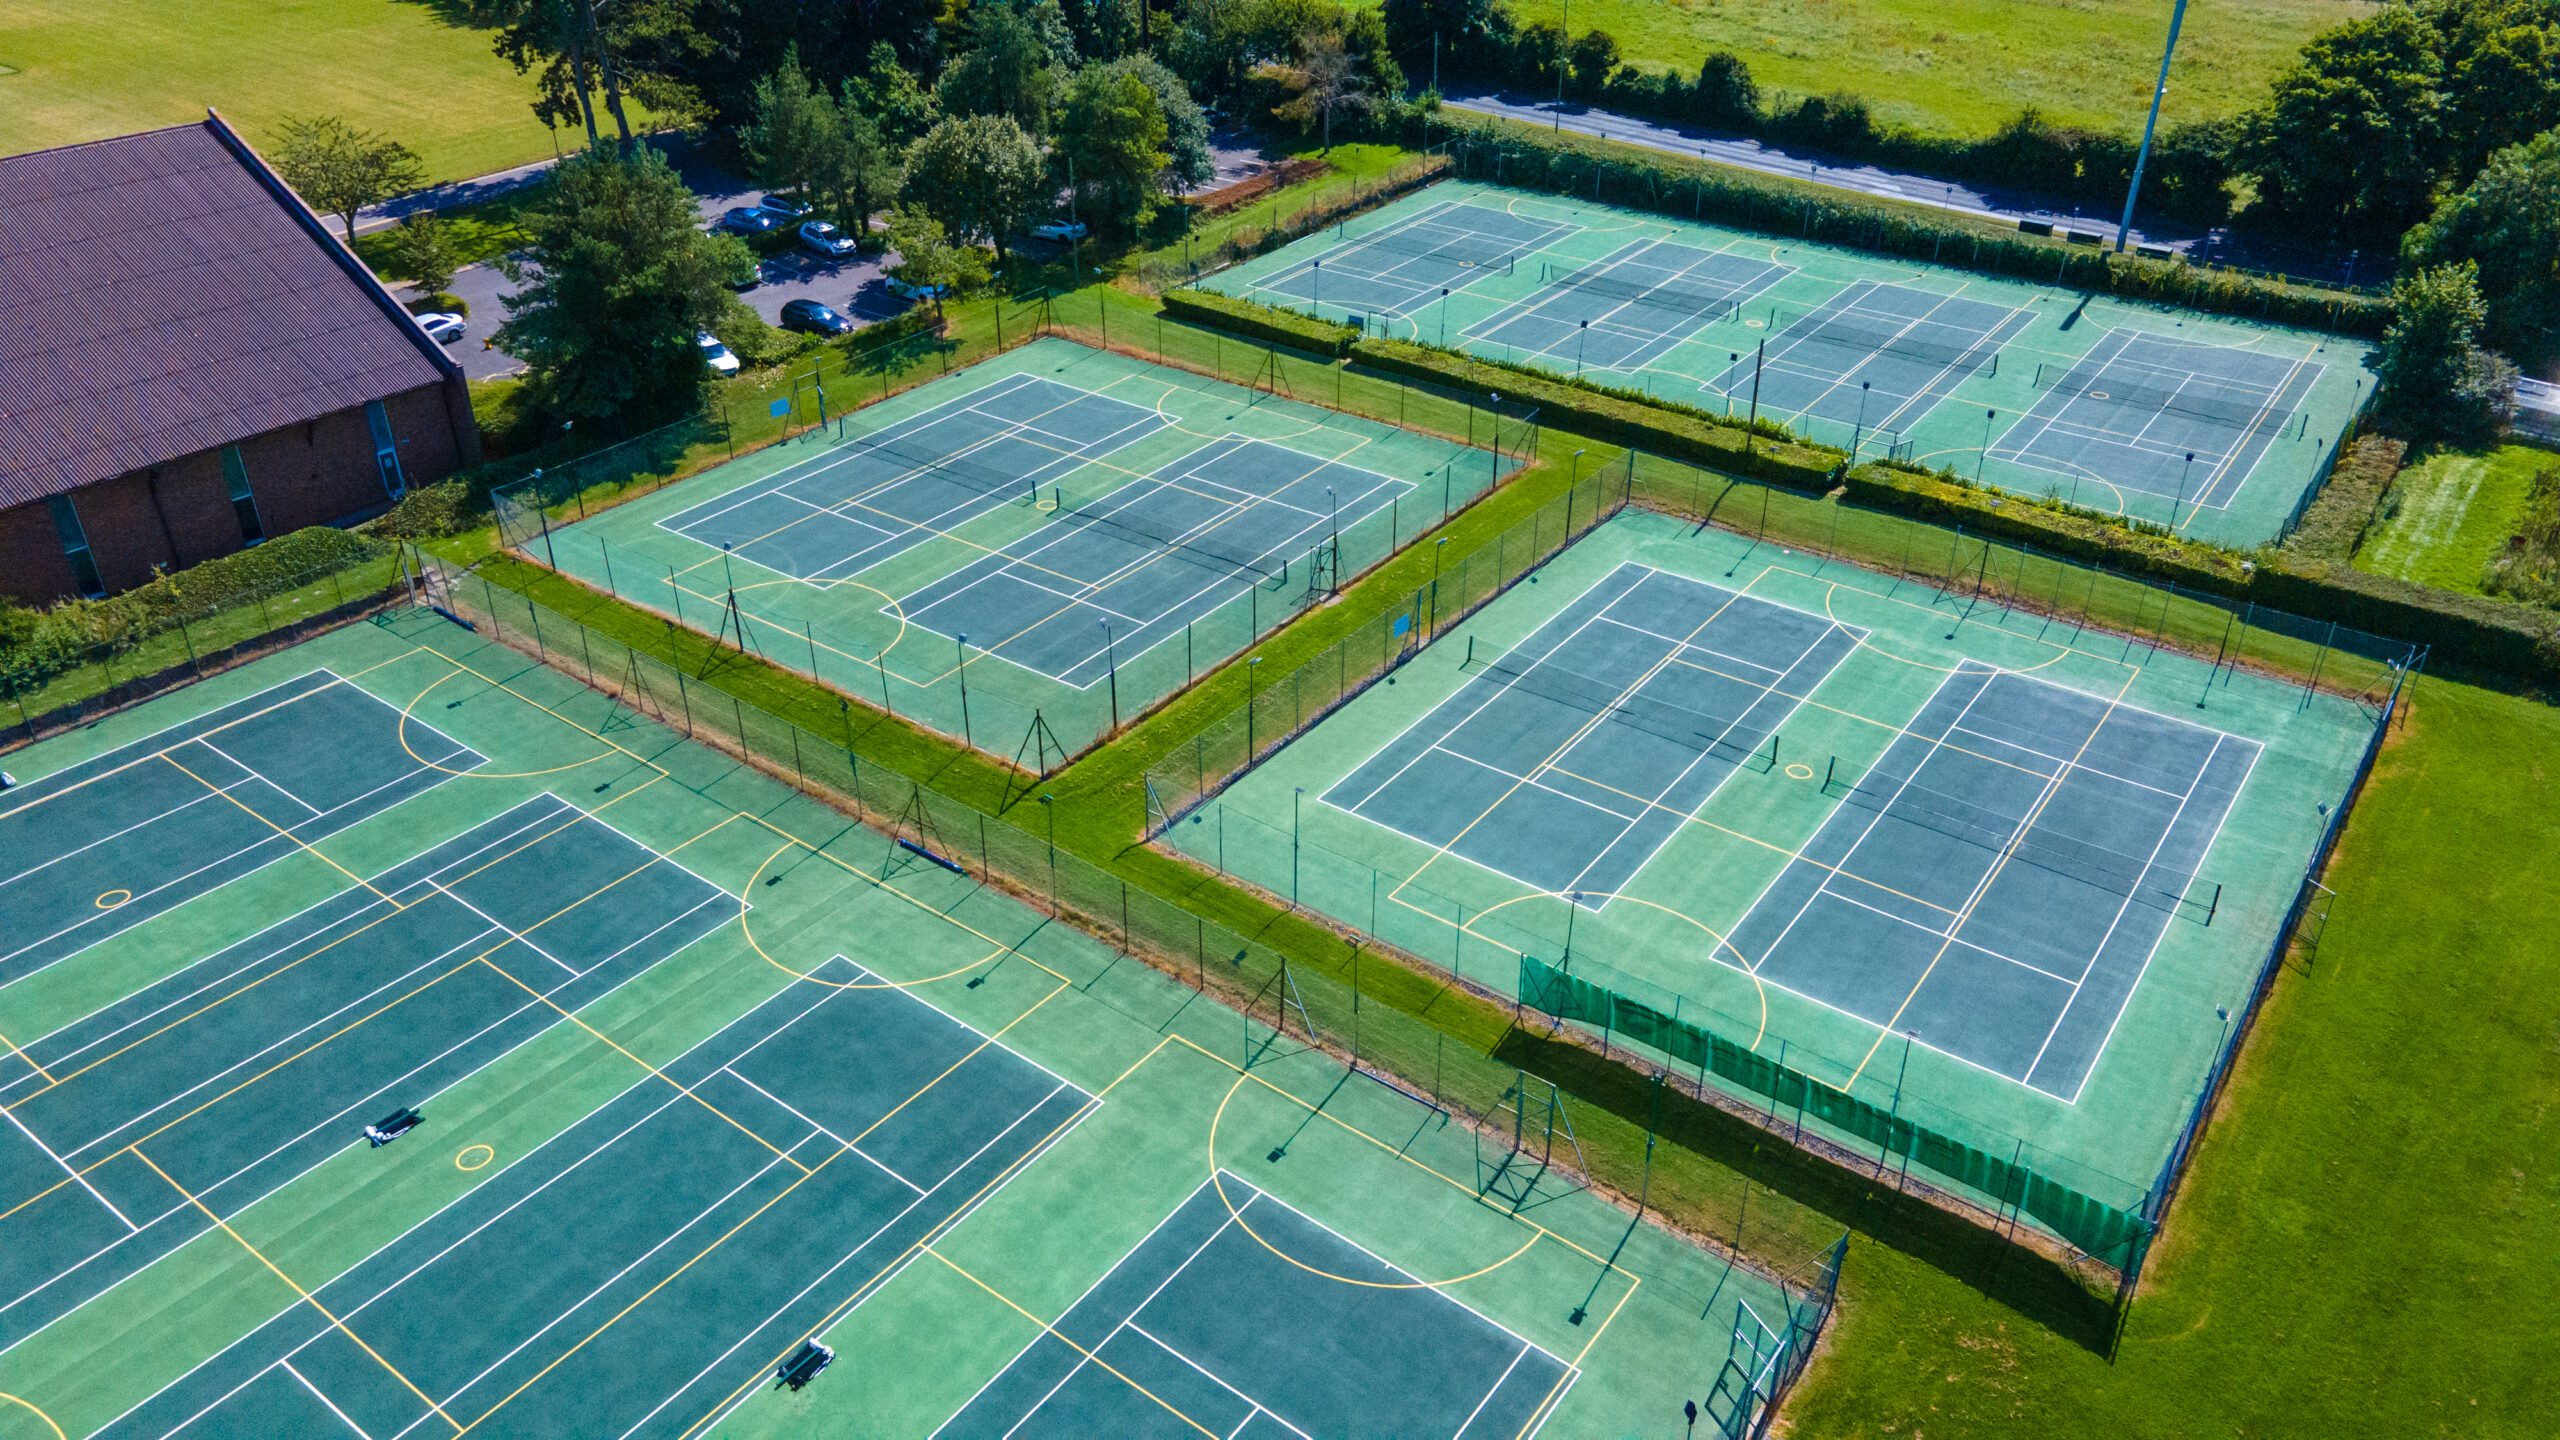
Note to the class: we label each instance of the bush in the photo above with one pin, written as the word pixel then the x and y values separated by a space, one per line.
pixel 2335 525
pixel 429 512
pixel 1261 322
pixel 2530 570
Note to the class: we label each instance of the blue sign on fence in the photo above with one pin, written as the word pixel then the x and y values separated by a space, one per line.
pixel 779 408
pixel 1403 623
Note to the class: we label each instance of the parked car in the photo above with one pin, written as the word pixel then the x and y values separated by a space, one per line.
pixel 905 291
pixel 1058 230
pixel 825 241
pixel 781 209
pixel 813 318
pixel 715 354
pixel 746 220
pixel 747 276
pixel 443 327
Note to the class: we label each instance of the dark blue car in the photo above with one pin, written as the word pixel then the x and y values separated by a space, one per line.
pixel 814 318
pixel 746 220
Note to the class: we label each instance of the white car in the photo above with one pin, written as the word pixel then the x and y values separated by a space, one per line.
pixel 825 241
pixel 905 291
pixel 1058 230
pixel 443 327
pixel 715 354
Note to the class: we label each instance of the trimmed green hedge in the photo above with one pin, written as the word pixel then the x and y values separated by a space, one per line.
pixel 2051 527
pixel 2334 527
pixel 1587 410
pixel 2477 630
pixel 1641 179
pixel 1261 322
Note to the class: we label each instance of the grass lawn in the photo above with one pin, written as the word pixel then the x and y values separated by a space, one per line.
pixel 2363 1245
pixel 2457 510
pixel 1964 66
pixel 89 69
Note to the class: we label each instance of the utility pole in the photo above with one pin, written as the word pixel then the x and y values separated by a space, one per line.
pixel 1564 46
pixel 2124 228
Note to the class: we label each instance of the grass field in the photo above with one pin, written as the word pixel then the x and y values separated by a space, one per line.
pixel 2457 509
pixel 86 71
pixel 1964 66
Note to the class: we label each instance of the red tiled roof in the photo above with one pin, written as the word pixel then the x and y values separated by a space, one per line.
pixel 162 294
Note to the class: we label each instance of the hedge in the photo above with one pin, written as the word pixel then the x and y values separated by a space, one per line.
pixel 1266 323
pixel 2471 630
pixel 1665 183
pixel 2334 526
pixel 1617 419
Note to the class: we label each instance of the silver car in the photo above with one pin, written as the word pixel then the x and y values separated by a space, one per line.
pixel 825 241
pixel 443 327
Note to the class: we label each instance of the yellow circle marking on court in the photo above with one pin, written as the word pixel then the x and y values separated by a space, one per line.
pixel 474 1157
pixel 889 606
pixel 607 754
pixel 114 898
pixel 1721 943
pixel 811 975
pixel 1755 324
pixel 1238 1216
pixel 30 1407
pixel 1799 772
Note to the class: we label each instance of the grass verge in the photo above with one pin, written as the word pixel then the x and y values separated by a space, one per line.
pixel 2451 513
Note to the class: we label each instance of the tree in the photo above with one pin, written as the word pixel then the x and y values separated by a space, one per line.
pixel 2435 379
pixel 1111 136
pixel 2507 226
pixel 796 133
pixel 617 281
pixel 1594 58
pixel 1460 28
pixel 422 251
pixel 982 176
pixel 1011 66
pixel 340 169
pixel 1189 163
pixel 928 260
pixel 888 94
pixel 863 171
pixel 2502 75
pixel 1326 79
pixel 1725 94
pixel 1537 57
pixel 2353 134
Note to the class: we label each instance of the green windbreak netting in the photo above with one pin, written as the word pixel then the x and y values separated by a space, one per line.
pixel 2099 1229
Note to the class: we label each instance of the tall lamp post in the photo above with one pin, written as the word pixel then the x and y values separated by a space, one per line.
pixel 2124 228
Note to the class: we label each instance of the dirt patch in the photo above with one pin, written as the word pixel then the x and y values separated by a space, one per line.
pixel 1254 187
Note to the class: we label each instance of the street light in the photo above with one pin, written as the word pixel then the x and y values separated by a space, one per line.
pixel 1859 434
pixel 962 642
pixel 1112 660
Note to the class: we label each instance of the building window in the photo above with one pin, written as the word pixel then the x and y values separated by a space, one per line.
pixel 385 453
pixel 75 547
pixel 243 504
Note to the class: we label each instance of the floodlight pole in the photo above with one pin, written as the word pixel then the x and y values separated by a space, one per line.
pixel 2184 471
pixel 2124 228
pixel 1580 345
pixel 1859 432
pixel 1437 546
pixel 1444 317
pixel 1315 286
pixel 1564 45
pixel 962 642
pixel 1749 426
pixel 1987 417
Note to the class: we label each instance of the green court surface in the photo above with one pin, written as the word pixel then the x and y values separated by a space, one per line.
pixel 1099 531
pixel 2215 426
pixel 2003 876
pixel 705 1072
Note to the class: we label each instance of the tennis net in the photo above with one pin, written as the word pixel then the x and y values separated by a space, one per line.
pixel 1467 252
pixel 2143 881
pixel 1978 356
pixel 1671 299
pixel 2257 415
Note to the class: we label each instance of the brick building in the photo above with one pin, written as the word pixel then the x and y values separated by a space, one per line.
pixel 190 362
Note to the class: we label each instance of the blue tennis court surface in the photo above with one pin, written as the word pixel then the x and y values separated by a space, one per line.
pixel 96 848
pixel 647 1269
pixel 1633 307
pixel 1569 761
pixel 2161 416
pixel 1875 358
pixel 224 1080
pixel 1995 886
pixel 1399 269
pixel 1240 1316
pixel 1125 572
pixel 858 505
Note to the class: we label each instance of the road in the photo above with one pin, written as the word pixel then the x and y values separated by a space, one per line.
pixel 2214 246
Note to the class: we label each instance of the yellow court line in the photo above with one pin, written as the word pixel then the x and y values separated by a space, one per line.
pixel 1052 1330
pixel 138 760
pixel 406 717
pixel 680 1086
pixel 307 1297
pixel 1397 1151
pixel 289 835
pixel 644 1297
pixel 14 1049
pixel 862 1292
pixel 30 1407
pixel 1984 886
pixel 811 976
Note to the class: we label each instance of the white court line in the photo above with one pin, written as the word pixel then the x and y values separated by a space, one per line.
pixel 287 1367
pixel 77 1178
pixel 260 776
pixel 1253 1407
pixel 1499 1381
pixel 841 1142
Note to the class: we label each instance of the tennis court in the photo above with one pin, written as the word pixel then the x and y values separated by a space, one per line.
pixel 1060 531
pixel 700 1073
pixel 1997 874
pixel 2215 426
pixel 1162 1345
